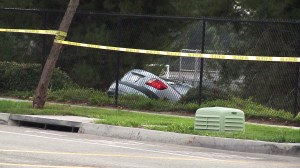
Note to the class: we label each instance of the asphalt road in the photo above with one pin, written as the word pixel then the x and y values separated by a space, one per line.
pixel 26 147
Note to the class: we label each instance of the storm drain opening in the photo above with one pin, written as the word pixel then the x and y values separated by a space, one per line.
pixel 48 126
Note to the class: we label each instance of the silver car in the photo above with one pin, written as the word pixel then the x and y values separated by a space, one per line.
pixel 146 84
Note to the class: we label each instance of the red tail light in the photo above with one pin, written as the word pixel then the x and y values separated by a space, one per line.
pixel 157 84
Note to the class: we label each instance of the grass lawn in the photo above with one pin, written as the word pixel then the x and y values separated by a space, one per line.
pixel 252 110
pixel 152 121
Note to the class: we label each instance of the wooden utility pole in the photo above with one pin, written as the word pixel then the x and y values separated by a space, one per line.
pixel 42 88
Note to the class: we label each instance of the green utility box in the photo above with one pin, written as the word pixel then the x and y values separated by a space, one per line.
pixel 219 119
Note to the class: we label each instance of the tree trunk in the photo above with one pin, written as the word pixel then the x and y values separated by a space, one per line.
pixel 42 88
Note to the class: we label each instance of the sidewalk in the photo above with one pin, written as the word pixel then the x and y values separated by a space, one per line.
pixel 86 126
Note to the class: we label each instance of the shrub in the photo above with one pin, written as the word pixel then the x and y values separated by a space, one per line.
pixel 25 77
pixel 208 94
pixel 81 95
pixel 143 103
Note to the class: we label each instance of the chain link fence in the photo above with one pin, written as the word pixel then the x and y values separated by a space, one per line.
pixel 172 79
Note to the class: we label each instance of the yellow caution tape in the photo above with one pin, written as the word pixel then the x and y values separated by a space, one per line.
pixel 48 32
pixel 60 36
pixel 183 54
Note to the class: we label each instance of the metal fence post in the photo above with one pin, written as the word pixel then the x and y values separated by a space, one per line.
pixel 43 56
pixel 117 81
pixel 118 66
pixel 296 90
pixel 202 61
pixel 296 84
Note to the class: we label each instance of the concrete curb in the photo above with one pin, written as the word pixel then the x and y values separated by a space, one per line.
pixel 292 149
pixel 4 118
pixel 44 120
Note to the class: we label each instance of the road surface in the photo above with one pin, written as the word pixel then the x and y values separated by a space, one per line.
pixel 22 147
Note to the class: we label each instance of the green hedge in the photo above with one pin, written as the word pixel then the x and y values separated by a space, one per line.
pixel 25 77
pixel 208 94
